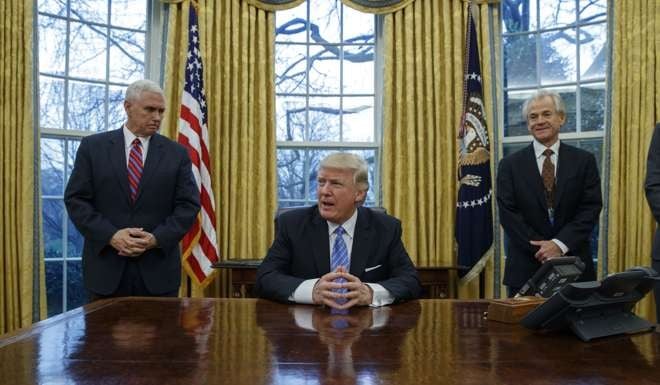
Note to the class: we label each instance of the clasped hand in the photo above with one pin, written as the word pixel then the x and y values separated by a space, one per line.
pixel 132 241
pixel 547 250
pixel 326 291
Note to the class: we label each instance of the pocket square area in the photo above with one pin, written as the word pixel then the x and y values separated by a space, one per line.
pixel 368 269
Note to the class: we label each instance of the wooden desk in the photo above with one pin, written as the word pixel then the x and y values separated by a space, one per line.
pixel 248 341
pixel 242 273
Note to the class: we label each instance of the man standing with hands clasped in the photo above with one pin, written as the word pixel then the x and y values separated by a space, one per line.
pixel 548 195
pixel 338 253
pixel 132 196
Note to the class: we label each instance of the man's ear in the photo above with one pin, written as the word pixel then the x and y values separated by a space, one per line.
pixel 360 197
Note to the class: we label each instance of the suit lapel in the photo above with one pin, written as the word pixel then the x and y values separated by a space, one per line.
pixel 154 155
pixel 361 245
pixel 117 156
pixel 320 243
pixel 531 168
pixel 564 159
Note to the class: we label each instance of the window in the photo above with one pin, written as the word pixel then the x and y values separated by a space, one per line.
pixel 325 70
pixel 89 51
pixel 559 45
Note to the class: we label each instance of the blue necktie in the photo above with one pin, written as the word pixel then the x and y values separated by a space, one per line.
pixel 339 258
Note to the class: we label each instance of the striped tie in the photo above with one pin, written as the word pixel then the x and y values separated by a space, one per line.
pixel 135 167
pixel 339 258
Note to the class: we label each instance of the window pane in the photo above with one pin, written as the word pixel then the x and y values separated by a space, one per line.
pixel 53 7
pixel 358 119
pixel 51 102
pixel 592 106
pixel 514 123
pixel 87 53
pixel 358 27
pixel 52 45
pixel 510 148
pixel 290 68
pixel 291 183
pixel 53 216
pixel 72 150
pixel 126 56
pixel 323 119
pixel 291 118
pixel 76 295
pixel 592 10
pixel 358 69
pixel 593 51
pixel 568 95
pixel 129 14
pixel 90 10
pixel 54 287
pixel 518 16
pixel 74 242
pixel 558 55
pixel 86 107
pixel 557 13
pixel 519 61
pixel 116 113
pixel 594 146
pixel 291 24
pixel 52 167
pixel 325 21
pixel 324 69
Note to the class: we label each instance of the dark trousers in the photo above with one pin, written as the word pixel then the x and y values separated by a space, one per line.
pixel 511 291
pixel 656 291
pixel 131 285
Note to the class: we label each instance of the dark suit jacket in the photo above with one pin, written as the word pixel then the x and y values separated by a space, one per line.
pixel 98 203
pixel 301 250
pixel 524 212
pixel 652 186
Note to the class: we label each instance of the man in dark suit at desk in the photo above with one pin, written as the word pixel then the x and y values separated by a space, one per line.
pixel 652 186
pixel 132 196
pixel 548 196
pixel 338 253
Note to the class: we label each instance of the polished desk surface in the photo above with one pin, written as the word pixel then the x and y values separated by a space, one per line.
pixel 248 341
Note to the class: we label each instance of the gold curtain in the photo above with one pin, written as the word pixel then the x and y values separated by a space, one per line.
pixel 237 43
pixel 275 5
pixel 423 93
pixel 635 109
pixel 18 187
pixel 377 6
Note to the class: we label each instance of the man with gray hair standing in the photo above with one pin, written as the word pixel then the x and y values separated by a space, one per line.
pixel 132 196
pixel 548 195
pixel 338 253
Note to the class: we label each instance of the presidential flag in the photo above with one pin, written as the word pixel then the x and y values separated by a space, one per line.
pixel 474 217
pixel 199 245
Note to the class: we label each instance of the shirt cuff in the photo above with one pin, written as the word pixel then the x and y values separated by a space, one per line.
pixel 381 296
pixel 562 246
pixel 304 292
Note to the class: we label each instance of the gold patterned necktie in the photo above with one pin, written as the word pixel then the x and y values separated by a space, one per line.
pixel 548 175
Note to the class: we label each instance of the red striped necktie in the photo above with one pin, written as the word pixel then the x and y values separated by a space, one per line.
pixel 135 167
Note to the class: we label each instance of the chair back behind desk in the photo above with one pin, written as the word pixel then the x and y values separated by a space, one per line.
pixel 435 281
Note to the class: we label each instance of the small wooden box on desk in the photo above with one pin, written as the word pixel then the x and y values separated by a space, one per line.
pixel 243 273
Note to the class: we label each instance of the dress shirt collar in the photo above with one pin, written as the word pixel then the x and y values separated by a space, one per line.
pixel 349 225
pixel 539 148
pixel 129 137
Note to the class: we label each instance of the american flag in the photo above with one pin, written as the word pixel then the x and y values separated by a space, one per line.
pixel 474 216
pixel 199 245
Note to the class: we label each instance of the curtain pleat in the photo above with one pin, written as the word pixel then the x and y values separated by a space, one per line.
pixel 18 169
pixel 635 109
pixel 423 91
pixel 237 51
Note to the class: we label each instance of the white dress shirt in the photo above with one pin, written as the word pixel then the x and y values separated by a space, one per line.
pixel 554 158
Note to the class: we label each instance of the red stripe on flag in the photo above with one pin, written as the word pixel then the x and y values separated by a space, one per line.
pixel 195 268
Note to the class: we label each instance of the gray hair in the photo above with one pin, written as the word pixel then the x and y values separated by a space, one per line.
pixel 560 107
pixel 355 163
pixel 136 89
